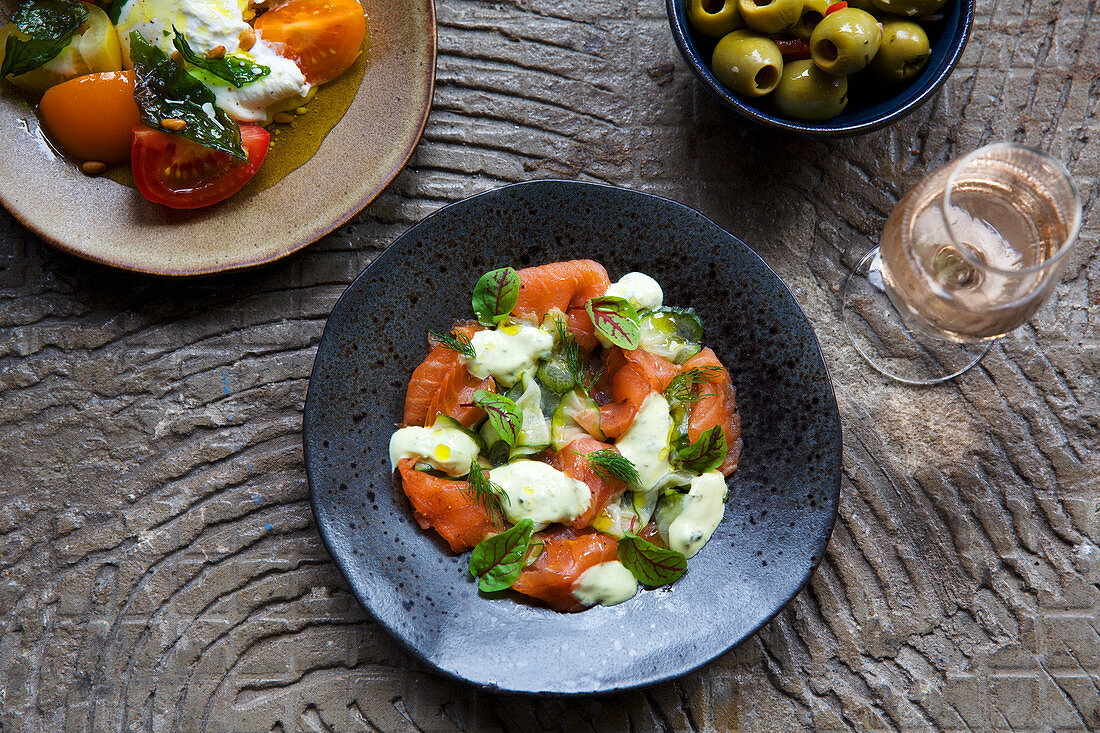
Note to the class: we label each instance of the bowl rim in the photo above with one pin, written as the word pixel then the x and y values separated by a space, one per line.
pixel 309 439
pixel 677 20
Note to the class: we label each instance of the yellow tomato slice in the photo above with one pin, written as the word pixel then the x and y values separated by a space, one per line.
pixel 91 117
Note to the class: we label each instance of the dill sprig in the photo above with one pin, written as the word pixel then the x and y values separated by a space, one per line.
pixel 570 352
pixel 682 386
pixel 611 465
pixel 487 495
pixel 455 342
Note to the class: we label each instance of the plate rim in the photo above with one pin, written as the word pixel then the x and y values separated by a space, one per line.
pixel 305 239
pixel 652 679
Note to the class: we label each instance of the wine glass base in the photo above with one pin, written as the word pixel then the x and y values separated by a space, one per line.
pixel 887 343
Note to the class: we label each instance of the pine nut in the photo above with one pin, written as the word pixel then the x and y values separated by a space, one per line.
pixel 93 167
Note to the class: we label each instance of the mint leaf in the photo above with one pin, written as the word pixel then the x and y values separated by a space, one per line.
pixel 497 561
pixel 163 90
pixel 616 319
pixel 650 564
pixel 504 416
pixel 495 295
pixel 705 454
pixel 233 69
pixel 49 26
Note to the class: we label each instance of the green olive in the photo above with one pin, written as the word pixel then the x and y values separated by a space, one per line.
pixel 805 92
pixel 903 53
pixel 812 13
pixel 910 8
pixel 747 63
pixel 770 16
pixel 845 41
pixel 714 18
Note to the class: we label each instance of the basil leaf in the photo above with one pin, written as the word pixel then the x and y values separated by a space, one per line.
pixel 497 561
pixel 233 69
pixel 705 454
pixel 495 295
pixel 504 415
pixel 650 564
pixel 113 9
pixel 163 91
pixel 49 26
pixel 616 319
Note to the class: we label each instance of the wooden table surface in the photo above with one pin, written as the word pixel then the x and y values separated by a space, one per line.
pixel 159 566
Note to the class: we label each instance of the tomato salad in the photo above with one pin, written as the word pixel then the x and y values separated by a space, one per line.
pixel 181 89
pixel 576 436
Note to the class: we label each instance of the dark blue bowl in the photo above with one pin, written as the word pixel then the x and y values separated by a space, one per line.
pixel 871 105
pixel 782 499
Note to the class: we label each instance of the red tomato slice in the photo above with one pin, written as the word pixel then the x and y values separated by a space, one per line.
pixel 323 37
pixel 174 171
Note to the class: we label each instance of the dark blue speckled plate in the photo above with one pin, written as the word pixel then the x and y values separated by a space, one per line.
pixel 782 501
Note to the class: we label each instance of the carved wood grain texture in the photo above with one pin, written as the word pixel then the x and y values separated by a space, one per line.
pixel 159 570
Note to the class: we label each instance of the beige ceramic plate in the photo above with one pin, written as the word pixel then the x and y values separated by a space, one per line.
pixel 105 222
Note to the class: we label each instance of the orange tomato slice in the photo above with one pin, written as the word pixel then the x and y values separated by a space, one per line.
pixel 90 117
pixel 322 36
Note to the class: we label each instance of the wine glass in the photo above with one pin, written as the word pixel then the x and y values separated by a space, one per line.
pixel 966 256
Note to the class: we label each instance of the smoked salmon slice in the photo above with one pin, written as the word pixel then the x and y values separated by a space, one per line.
pixel 561 285
pixel 574 464
pixel 444 506
pixel 718 408
pixel 580 325
pixel 634 375
pixel 567 554
pixel 442 385
pixel 455 397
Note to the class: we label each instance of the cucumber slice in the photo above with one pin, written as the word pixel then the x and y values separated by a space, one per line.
pixel 498 453
pixel 645 503
pixel 446 421
pixel 669 508
pixel 674 333
pixel 576 414
pixel 516 390
pixel 550 402
pixel 678 439
pixel 496 450
pixel 555 376
pixel 534 433
pixel 684 322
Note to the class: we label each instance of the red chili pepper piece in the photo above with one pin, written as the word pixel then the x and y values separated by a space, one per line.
pixel 836 6
pixel 793 48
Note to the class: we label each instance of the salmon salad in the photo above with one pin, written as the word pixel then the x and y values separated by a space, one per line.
pixel 576 435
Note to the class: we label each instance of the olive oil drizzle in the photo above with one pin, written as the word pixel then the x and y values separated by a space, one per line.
pixel 294 144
